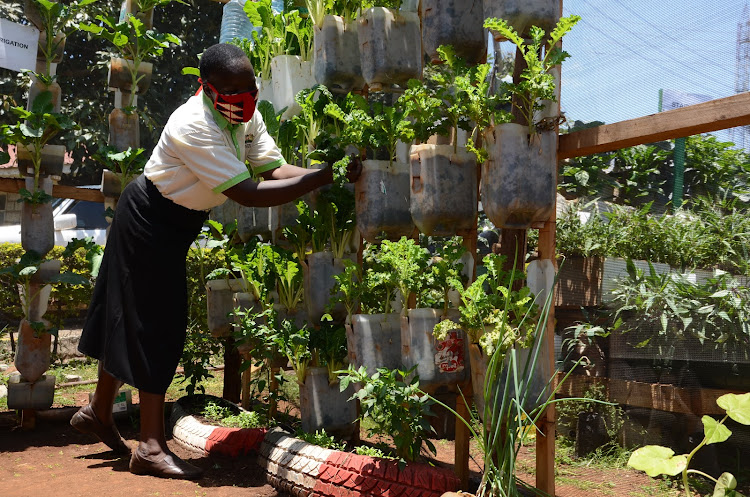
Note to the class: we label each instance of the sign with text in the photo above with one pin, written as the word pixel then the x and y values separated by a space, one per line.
pixel 673 99
pixel 18 45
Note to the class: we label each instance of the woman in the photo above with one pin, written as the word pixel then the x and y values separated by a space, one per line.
pixel 138 315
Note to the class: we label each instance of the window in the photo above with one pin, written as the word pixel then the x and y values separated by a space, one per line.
pixel 90 215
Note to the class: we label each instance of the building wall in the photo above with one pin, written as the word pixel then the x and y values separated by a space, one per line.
pixel 10 209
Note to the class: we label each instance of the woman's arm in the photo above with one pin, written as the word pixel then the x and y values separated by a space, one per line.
pixel 290 185
pixel 285 171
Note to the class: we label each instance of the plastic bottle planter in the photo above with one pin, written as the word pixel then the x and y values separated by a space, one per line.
pixel 382 201
pixel 390 47
pixel 443 363
pixel 33 352
pixel 319 270
pixel 39 290
pixel 111 186
pixel 336 56
pixel 265 89
pixel 220 304
pixel 120 75
pixel 522 14
pixel 58 42
pixel 534 382
pixel 454 22
pixel 520 177
pixel 297 315
pixel 38 87
pixel 53 158
pixel 130 7
pixel 374 341
pixel 291 74
pixel 33 14
pixel 124 131
pixel 37 222
pixel 323 406
pixel 226 213
pixel 253 221
pixel 37 395
pixel 443 189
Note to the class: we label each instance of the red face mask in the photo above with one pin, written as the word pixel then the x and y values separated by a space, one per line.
pixel 237 108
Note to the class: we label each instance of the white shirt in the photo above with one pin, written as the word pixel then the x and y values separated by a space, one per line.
pixel 200 155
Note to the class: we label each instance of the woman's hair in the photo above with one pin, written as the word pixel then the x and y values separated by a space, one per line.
pixel 221 58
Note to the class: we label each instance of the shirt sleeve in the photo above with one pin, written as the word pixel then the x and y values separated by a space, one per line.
pixel 261 150
pixel 210 158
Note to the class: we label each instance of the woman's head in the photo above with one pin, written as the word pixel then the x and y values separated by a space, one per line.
pixel 228 80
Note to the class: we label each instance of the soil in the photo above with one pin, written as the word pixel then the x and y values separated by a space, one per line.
pixel 55 459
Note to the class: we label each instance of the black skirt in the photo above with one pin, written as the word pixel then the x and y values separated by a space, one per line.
pixel 137 319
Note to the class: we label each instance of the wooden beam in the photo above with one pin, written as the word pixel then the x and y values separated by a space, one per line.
pixel 13 185
pixel 710 116
pixel 658 396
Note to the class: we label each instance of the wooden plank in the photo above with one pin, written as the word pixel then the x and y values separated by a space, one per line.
pixel 662 397
pixel 461 442
pixel 13 185
pixel 545 440
pixel 710 116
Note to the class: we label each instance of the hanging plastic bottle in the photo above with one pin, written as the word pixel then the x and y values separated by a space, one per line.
pixel 234 22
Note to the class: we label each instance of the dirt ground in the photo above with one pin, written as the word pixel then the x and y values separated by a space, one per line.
pixel 54 459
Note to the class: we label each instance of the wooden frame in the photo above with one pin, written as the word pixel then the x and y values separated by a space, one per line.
pixel 13 185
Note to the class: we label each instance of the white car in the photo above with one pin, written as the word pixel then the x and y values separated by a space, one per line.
pixel 73 219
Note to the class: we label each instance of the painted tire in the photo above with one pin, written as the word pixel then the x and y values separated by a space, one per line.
pixel 304 470
pixel 207 439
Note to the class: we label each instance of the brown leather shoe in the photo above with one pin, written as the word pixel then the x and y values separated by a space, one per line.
pixel 166 465
pixel 85 421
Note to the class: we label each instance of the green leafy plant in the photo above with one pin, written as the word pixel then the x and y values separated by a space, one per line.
pixel 127 164
pixel 328 348
pixel 537 83
pixel 677 309
pixel 658 460
pixel 301 28
pixel 321 439
pixel 373 124
pixel 366 450
pixel 379 283
pixel 311 119
pixel 33 130
pixel 294 343
pixel 347 9
pixel 225 417
pixel 499 317
pixel 396 406
pixel 133 41
pixel 445 269
pixel 408 262
pixel 349 285
pixel 271 40
pixel 253 264
pixel 511 409
pixel 288 274
pixel 57 19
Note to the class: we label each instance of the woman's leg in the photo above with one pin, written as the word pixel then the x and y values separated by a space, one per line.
pixel 153 457
pixel 97 417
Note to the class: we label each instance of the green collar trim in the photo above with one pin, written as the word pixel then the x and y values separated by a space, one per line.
pixel 223 123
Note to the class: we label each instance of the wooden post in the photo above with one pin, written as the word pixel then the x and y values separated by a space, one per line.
pixel 232 378
pixel 545 441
